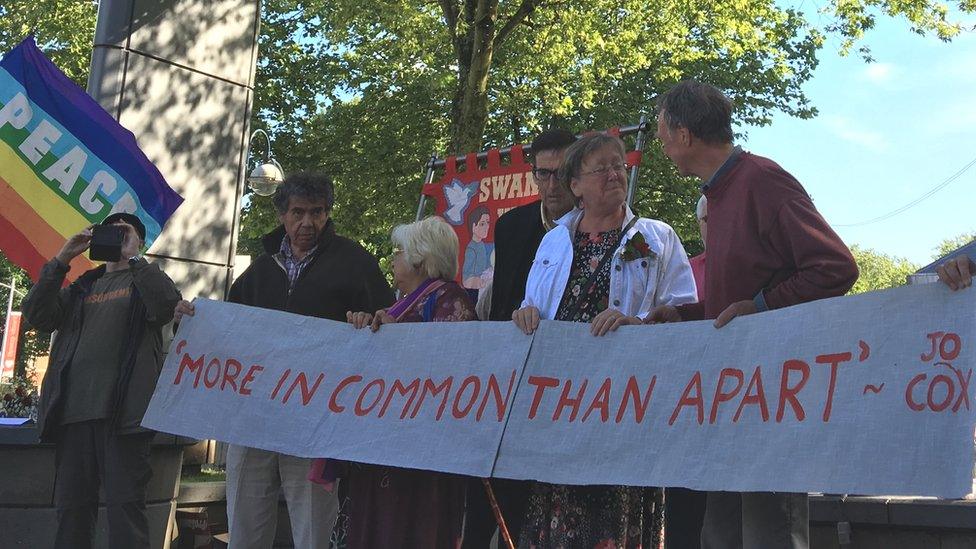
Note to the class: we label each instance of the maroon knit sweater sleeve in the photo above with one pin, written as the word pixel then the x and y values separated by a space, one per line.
pixel 824 264
pixel 692 311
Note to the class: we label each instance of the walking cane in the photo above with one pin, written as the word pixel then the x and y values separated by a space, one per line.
pixel 506 537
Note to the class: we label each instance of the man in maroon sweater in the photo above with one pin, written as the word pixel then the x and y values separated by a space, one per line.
pixel 768 247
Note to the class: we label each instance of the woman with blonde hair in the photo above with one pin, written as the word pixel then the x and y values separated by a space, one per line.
pixel 393 507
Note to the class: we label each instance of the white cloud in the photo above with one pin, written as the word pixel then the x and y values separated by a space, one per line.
pixel 879 72
pixel 849 131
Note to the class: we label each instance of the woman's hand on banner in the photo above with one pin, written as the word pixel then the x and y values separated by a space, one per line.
pixel 609 320
pixel 380 318
pixel 527 319
pixel 359 320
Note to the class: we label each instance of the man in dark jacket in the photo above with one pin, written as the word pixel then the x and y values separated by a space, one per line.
pixel 517 236
pixel 310 270
pixel 519 231
pixel 104 364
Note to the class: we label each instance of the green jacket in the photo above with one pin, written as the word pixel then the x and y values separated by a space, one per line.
pixel 49 307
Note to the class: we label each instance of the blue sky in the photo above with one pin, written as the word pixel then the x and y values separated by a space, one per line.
pixel 887 133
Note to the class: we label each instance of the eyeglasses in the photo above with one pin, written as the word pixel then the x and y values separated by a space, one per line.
pixel 542 174
pixel 604 171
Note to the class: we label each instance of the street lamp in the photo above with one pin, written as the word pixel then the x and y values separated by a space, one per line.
pixel 266 177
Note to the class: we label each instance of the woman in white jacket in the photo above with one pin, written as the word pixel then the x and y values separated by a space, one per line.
pixel 584 271
pixel 604 266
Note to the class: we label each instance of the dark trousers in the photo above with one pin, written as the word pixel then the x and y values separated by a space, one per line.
pixel 88 455
pixel 479 520
pixel 684 514
pixel 756 520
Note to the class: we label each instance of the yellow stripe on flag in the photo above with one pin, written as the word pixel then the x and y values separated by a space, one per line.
pixel 50 205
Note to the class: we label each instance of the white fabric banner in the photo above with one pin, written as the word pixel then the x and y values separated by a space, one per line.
pixel 867 394
pixel 407 395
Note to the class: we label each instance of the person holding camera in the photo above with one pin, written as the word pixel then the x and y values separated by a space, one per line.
pixel 103 368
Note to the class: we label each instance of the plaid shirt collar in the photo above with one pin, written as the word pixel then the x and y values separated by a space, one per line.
pixel 294 267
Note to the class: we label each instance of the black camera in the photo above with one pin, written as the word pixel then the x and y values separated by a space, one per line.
pixel 106 243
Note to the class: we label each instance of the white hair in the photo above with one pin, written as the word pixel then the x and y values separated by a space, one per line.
pixel 701 210
pixel 430 245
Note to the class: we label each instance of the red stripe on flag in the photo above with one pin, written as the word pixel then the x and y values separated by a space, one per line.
pixel 19 250
pixel 19 213
pixel 24 254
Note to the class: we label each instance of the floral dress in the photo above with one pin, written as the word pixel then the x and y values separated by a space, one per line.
pixel 603 517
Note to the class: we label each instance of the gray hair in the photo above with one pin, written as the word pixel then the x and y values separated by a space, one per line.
pixel 701 109
pixel 701 210
pixel 313 187
pixel 430 245
pixel 577 152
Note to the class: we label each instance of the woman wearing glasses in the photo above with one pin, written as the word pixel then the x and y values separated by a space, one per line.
pixel 604 266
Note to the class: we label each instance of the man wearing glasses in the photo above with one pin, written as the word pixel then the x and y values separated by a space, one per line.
pixel 519 231
pixel 517 236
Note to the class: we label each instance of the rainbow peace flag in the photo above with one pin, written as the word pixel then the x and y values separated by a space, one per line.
pixel 65 164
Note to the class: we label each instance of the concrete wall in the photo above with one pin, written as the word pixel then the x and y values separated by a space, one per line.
pixel 180 75
pixel 27 514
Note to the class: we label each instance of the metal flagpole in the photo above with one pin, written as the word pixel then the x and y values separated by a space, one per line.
pixel 428 179
pixel 642 129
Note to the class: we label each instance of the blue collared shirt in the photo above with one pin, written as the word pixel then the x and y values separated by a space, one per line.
pixel 731 161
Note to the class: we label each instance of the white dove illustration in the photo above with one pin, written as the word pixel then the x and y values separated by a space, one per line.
pixel 458 196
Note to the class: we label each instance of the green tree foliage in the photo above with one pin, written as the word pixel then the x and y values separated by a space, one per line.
pixel 367 90
pixel 62 28
pixel 879 271
pixel 950 245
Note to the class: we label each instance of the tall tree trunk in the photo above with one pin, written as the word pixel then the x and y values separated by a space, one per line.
pixel 472 107
pixel 473 30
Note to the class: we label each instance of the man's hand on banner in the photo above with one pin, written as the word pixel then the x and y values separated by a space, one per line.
pixel 75 246
pixel 527 319
pixel 184 307
pixel 609 320
pixel 359 320
pixel 739 308
pixel 957 273
pixel 663 314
